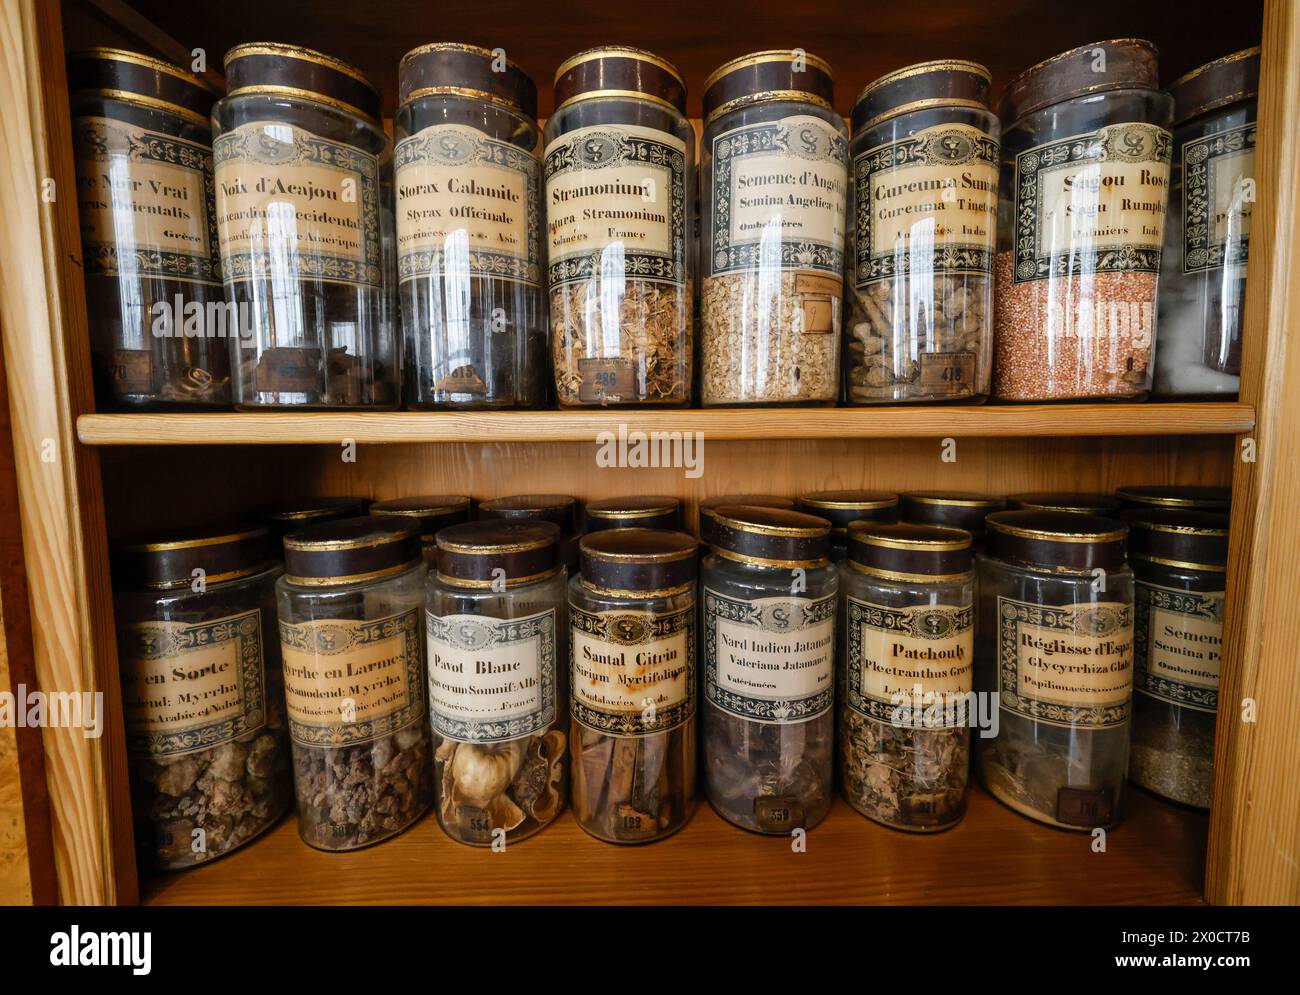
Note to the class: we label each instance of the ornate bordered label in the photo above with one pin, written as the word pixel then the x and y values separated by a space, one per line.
pixel 348 683
pixel 927 202
pixel 189 687
pixel 1070 665
pixel 1178 639
pixel 467 204
pixel 288 198
pixel 616 196
pixel 633 673
pixel 1216 208
pixel 491 680
pixel 146 203
pixel 1094 202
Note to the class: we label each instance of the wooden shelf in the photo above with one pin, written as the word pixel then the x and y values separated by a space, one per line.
pixel 993 855
pixel 226 428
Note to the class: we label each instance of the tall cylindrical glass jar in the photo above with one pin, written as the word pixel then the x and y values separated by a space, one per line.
pixel 922 228
pixel 1081 221
pixel 470 261
pixel 632 684
pixel 767 625
pixel 305 220
pixel 1054 642
pixel 618 172
pixel 954 509
pixel 842 507
pixel 906 673
pixel 773 178
pixel 202 695
pixel 430 514
pixel 1203 273
pixel 1179 561
pixel 351 606
pixel 154 300
pixel 498 680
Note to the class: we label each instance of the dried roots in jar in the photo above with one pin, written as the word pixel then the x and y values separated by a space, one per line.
pixel 902 776
pixel 517 787
pixel 632 789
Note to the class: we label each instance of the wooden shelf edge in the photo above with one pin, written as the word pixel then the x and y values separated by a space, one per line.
pixel 717 424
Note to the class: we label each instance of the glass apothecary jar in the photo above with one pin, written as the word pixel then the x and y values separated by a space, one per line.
pixel 429 514
pixel 470 260
pixel 196 623
pixel 634 513
pixel 305 222
pixel 498 680
pixel 1054 642
pixel 1075 502
pixel 709 506
pixel 1179 564
pixel 1207 241
pixel 632 684
pixel 154 299
pixel 1081 221
pixel 908 658
pixel 351 605
pixel 1182 497
pixel 282 519
pixel 767 625
pixel 558 508
pixel 923 208
pixel 617 174
pixel 842 507
pixel 953 509
pixel 773 179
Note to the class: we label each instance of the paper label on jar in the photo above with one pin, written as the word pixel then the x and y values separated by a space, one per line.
pixel 909 658
pixel 146 203
pixel 1067 665
pixel 616 205
pixel 1179 644
pixel 192 686
pixel 491 680
pixel 770 659
pixel 348 683
pixel 927 203
pixel 467 204
pixel 293 205
pixel 632 673
pixel 1218 196
pixel 779 186
pixel 1093 202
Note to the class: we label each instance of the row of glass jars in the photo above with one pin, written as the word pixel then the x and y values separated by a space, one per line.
pixel 255 261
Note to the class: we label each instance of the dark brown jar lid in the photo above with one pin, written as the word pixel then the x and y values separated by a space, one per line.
pixel 1176 496
pixel 1216 84
pixel 558 508
pixel 638 563
pixel 1064 541
pixel 1129 63
pixel 770 537
pixel 619 71
pixel 909 552
pixel 939 83
pixel 708 505
pixel 450 68
pixel 1077 502
pixel 778 74
pixel 116 74
pixel 286 518
pixel 841 507
pixel 956 509
pixel 351 551
pixel 470 554
pixel 1172 537
pixel 634 513
pixel 430 513
pixel 168 560
pixel 276 70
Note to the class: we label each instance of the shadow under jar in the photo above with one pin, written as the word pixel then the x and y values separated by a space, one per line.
pixel 922 230
pixel 773 178
pixel 618 171
pixel 305 220
pixel 1081 220
pixel 908 663
pixel 632 684
pixel 470 261
pixel 498 680
pixel 351 607
pixel 204 780
pixel 767 623
pixel 1054 641
pixel 143 148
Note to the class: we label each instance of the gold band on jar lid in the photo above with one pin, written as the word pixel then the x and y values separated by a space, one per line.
pixel 769 55
pixel 111 54
pixel 283 51
pixel 618 52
